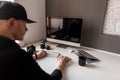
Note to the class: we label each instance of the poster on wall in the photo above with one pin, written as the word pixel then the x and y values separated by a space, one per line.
pixel 112 18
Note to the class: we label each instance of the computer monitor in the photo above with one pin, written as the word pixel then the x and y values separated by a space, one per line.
pixel 65 31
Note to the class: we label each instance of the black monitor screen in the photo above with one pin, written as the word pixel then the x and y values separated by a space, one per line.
pixel 68 29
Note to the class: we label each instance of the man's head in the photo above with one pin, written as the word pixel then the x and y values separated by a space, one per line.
pixel 13 10
pixel 13 19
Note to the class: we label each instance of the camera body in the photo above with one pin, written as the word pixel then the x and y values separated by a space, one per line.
pixel 31 49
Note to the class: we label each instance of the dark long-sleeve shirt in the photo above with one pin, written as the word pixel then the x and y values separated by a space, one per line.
pixel 17 64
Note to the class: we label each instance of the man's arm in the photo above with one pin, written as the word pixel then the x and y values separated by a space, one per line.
pixel 57 73
pixel 31 69
pixel 62 61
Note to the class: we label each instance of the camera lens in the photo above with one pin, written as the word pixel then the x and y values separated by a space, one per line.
pixel 82 61
pixel 42 45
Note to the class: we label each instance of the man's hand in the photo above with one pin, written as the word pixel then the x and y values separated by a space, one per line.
pixel 40 54
pixel 62 61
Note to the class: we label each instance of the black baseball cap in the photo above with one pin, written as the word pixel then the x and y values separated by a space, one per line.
pixel 13 10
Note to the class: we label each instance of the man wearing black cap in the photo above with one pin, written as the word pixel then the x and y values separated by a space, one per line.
pixel 15 63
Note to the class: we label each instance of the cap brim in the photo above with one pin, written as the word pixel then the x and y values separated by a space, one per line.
pixel 30 21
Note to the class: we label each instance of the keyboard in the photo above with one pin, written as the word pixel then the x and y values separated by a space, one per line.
pixel 53 53
pixel 56 55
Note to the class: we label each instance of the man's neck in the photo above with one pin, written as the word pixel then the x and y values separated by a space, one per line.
pixel 6 35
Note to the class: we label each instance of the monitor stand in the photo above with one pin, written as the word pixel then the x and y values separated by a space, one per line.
pixel 62 46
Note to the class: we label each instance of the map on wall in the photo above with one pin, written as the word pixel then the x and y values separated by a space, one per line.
pixel 112 18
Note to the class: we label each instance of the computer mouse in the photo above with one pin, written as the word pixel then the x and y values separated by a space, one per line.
pixel 70 51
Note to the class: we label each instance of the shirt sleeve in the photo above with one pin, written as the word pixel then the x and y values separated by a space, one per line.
pixel 56 74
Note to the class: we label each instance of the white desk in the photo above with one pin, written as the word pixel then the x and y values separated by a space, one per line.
pixel 106 69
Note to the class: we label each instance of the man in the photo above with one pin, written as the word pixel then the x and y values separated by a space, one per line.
pixel 15 63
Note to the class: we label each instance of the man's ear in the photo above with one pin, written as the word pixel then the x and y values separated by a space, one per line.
pixel 11 21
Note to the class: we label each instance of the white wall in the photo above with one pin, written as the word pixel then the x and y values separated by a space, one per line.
pixel 36 11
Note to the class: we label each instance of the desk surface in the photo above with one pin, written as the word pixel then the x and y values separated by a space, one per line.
pixel 106 69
